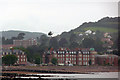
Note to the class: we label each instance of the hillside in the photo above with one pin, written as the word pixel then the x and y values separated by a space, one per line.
pixel 14 33
pixel 106 24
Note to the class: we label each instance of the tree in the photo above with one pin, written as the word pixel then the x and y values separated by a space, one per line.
pixel 43 40
pixel 93 43
pixel 63 42
pixel 38 60
pixel 88 42
pixel 73 38
pixel 54 61
pixel 73 45
pixel 90 62
pixel 46 59
pixel 20 36
pixel 54 43
pixel 9 59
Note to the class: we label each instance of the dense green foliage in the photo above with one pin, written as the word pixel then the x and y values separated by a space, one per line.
pixel 10 41
pixel 102 29
pixel 9 59
pixel 54 61
pixel 38 60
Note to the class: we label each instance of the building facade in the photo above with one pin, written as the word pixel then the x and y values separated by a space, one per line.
pixel 25 43
pixel 8 46
pixel 66 56
pixel 107 59
pixel 22 58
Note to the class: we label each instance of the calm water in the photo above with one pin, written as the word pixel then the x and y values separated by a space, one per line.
pixel 94 75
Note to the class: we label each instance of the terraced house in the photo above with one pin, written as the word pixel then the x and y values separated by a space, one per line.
pixel 66 56
pixel 22 58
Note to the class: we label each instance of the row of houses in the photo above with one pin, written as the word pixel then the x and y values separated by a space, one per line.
pixel 87 56
pixel 21 43
pixel 22 57
pixel 65 56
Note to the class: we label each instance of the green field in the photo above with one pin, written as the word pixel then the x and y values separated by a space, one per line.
pixel 111 30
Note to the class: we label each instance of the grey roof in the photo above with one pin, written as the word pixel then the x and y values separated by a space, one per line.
pixel 12 51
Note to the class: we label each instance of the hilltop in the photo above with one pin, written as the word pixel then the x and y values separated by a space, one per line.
pixel 14 33
pixel 103 25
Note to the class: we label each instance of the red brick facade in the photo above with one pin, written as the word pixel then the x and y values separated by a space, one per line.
pixel 25 43
pixel 107 59
pixel 67 56
pixel 22 58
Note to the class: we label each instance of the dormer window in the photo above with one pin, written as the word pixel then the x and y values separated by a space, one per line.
pixel 3 53
pixel 22 52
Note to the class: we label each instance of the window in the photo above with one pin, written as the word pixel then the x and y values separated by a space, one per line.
pixel 3 53
pixel 21 60
pixel 74 62
pixel 22 52
pixel 67 55
pixel 66 58
pixel 92 58
pixel 80 58
pixel 18 56
pixel 21 56
pixel 80 55
pixel 80 63
pixel 86 63
pixel 83 55
pixel 55 55
pixel 83 58
pixel 92 62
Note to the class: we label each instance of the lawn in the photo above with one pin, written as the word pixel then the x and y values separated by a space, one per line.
pixel 111 30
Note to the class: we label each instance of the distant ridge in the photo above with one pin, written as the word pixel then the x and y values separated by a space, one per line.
pixel 106 24
pixel 13 33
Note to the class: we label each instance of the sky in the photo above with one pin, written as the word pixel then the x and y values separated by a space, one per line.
pixel 53 15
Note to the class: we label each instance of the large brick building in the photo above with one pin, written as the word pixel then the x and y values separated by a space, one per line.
pixel 25 43
pixel 22 58
pixel 9 46
pixel 66 56
pixel 107 59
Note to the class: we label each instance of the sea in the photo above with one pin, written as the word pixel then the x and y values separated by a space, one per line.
pixel 90 76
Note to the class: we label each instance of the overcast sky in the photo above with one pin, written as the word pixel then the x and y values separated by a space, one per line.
pixel 53 15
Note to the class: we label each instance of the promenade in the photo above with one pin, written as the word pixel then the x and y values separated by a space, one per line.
pixel 61 69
